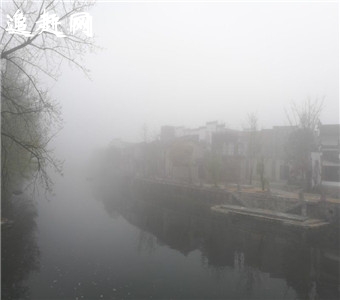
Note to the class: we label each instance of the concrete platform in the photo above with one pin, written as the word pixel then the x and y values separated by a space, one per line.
pixel 268 215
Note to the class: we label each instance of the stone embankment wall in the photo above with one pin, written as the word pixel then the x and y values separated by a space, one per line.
pixel 266 200
pixel 209 196
pixel 325 210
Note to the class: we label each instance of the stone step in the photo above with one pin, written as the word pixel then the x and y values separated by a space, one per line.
pixel 283 218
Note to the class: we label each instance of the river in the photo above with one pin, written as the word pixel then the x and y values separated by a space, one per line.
pixel 84 245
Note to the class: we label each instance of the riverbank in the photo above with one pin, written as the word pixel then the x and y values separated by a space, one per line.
pixel 307 205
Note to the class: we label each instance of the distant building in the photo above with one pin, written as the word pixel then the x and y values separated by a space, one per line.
pixel 168 133
pixel 242 150
pixel 329 136
pixel 202 134
pixel 273 149
pixel 229 147
pixel 238 153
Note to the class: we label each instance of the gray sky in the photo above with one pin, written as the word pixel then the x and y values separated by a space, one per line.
pixel 185 64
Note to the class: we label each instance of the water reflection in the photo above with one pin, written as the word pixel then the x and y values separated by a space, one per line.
pixel 132 246
pixel 247 252
pixel 19 250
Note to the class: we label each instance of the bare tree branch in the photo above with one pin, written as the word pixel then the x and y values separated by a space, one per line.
pixel 27 112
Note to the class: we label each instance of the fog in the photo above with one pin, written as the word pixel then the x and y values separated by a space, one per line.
pixel 182 177
pixel 184 64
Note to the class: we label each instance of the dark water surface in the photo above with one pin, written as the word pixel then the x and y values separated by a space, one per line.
pixel 92 245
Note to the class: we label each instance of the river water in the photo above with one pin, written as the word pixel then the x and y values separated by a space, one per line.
pixel 91 245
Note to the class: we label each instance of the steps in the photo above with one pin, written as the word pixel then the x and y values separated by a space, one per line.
pixel 268 215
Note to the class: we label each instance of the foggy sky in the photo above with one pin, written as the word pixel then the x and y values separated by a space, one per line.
pixel 184 64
